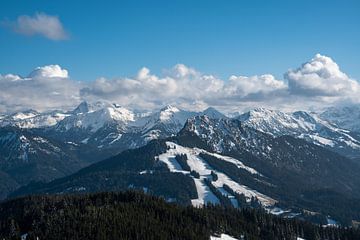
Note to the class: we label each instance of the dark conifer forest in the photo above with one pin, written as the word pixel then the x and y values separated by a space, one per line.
pixel 134 215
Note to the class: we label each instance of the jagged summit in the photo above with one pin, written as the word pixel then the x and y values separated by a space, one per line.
pixel 83 107
pixel 304 125
pixel 213 113
pixel 94 116
pixel 348 117
pixel 169 120
pixel 169 107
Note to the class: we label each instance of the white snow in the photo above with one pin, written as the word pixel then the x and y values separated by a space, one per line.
pixel 146 172
pixel 24 236
pixel 167 112
pixel 72 143
pixel 199 165
pixel 204 194
pixel 330 223
pixel 238 163
pixel 32 119
pixel 277 211
pixel 172 117
pixel 321 140
pixel 22 116
pixel 153 134
pixel 96 119
pixel 116 139
pixel 223 236
pixel 40 140
pixel 308 126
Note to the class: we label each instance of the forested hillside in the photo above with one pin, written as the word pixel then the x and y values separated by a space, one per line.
pixel 134 215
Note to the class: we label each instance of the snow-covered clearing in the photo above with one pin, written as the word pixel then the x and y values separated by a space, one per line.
pixel 196 163
pixel 222 237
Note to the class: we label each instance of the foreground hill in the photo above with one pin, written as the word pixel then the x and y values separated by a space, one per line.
pixel 132 215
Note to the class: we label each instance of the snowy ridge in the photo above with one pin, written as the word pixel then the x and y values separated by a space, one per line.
pixel 308 126
pixel 169 116
pixel 106 122
pixel 96 116
pixel 347 117
pixel 222 236
pixel 33 119
pixel 199 165
pixel 213 113
pixel 168 121
pixel 225 135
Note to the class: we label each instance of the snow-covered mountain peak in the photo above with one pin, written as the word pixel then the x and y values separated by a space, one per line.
pixel 32 119
pixel 168 112
pixel 265 113
pixel 303 125
pixel 83 107
pixel 166 122
pixel 170 107
pixel 24 115
pixel 213 113
pixel 94 116
pixel 347 117
pixel 273 121
pixel 120 113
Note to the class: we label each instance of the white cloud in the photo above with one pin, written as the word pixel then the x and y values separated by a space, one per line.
pixel 315 84
pixel 50 71
pixel 321 76
pixel 46 88
pixel 10 77
pixel 39 24
pixel 180 84
pixel 243 86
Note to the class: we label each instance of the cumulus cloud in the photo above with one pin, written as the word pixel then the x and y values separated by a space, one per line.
pixel 243 86
pixel 321 76
pixel 182 86
pixel 317 83
pixel 144 89
pixel 39 24
pixel 50 71
pixel 44 89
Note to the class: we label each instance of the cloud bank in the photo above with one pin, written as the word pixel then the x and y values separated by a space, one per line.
pixel 321 76
pixel 40 24
pixel 316 83
pixel 45 88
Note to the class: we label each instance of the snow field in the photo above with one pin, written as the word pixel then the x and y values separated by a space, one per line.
pixel 199 165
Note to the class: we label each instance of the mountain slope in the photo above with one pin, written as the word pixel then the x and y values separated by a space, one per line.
pixel 131 169
pixel 305 126
pixel 164 123
pixel 347 117
pixel 26 157
pixel 229 136
pixel 33 119
pixel 296 173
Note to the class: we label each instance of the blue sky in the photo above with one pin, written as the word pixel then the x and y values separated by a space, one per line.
pixel 232 55
pixel 117 38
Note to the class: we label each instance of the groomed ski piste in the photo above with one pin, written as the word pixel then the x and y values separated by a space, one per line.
pixel 196 163
pixel 222 237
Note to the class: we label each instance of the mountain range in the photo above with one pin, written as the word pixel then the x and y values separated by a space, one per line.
pixel 292 164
